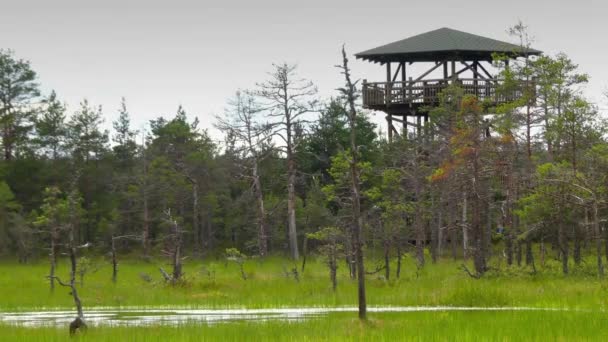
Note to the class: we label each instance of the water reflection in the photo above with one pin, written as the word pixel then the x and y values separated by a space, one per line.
pixel 147 317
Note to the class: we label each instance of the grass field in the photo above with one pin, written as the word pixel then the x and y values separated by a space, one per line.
pixel 425 326
pixel 215 284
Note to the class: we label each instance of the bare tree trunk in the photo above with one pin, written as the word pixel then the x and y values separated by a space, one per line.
pixel 73 268
pixel 291 207
pixel 477 227
pixel 578 239
pixel 420 234
pixel 262 234
pixel 79 322
pixel 478 238
pixel 387 259
pixel 606 241
pixel 543 251
pixel 177 258
pixel 356 201
pixel 518 253
pixel 350 256
pixel 563 246
pixel 508 219
pixel 547 129
pixel 53 258
pixel 598 239
pixel 146 215
pixel 399 255
pixel 196 218
pixel 440 235
pixel 453 231
pixel 333 268
pixel 529 254
pixel 436 235
pixel 114 262
pixel 146 230
pixel 305 254
pixel 465 234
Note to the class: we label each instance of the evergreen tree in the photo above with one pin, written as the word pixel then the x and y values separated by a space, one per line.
pixel 18 92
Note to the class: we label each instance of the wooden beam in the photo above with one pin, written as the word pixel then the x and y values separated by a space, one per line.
pixel 445 70
pixel 473 68
pixel 485 71
pixel 476 74
pixel 462 70
pixel 397 72
pixel 404 121
pixel 427 72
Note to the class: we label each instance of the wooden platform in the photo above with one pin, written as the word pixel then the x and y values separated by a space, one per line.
pixel 402 97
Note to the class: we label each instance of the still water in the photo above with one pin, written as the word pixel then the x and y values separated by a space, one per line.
pixel 166 316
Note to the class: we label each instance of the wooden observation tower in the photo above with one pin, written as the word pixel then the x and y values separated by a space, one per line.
pixel 463 58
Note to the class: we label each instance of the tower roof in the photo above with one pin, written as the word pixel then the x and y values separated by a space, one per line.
pixel 441 44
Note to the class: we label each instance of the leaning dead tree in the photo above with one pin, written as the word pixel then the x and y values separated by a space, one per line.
pixel 287 99
pixel 73 202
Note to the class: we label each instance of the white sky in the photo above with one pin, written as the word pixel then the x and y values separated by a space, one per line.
pixel 160 54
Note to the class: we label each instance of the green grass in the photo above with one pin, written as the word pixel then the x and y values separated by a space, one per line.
pixel 214 284
pixel 422 326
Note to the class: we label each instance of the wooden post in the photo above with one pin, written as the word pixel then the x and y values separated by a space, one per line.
pixel 475 77
pixel 388 84
pixel 445 70
pixel 403 84
pixel 409 88
pixel 364 92
pixel 454 70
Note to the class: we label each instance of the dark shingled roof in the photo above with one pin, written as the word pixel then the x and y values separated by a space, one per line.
pixel 441 44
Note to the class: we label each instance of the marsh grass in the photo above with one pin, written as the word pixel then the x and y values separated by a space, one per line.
pixel 419 326
pixel 215 284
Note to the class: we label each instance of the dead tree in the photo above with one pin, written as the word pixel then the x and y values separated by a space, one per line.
pixel 52 218
pixel 349 92
pixel 242 124
pixel 113 252
pixel 287 99
pixel 144 193
pixel 332 248
pixel 175 249
pixel 53 256
pixel 73 208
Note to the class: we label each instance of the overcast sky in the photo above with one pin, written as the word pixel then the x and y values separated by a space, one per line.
pixel 160 54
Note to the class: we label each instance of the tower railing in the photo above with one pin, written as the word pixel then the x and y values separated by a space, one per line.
pixel 426 92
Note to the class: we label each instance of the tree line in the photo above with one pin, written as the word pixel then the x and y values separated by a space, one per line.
pixel 294 174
